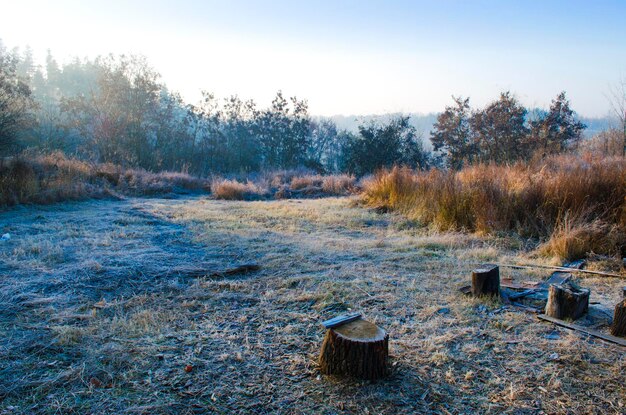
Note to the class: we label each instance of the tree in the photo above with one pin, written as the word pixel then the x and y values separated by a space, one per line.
pixel 16 103
pixel 617 100
pixel 284 133
pixel 119 115
pixel 556 130
pixel 241 142
pixel 385 145
pixel 452 134
pixel 500 130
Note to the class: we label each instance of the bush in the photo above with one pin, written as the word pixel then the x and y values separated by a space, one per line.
pixel 233 190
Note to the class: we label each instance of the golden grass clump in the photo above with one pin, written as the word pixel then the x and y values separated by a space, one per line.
pixel 578 203
pixel 233 190
pixel 574 238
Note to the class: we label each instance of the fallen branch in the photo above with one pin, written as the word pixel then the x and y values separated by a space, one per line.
pixel 562 269
pixel 587 331
pixel 201 272
pixel 241 269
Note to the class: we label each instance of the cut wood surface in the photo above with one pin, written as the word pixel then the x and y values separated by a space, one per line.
pixel 586 330
pixel 566 301
pixel 618 328
pixel 358 348
pixel 486 280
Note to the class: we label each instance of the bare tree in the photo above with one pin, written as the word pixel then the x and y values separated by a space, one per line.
pixel 617 100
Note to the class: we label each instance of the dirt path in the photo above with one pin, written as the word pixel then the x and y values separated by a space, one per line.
pixel 97 315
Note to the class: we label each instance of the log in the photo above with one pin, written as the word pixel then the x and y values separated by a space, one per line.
pixel 618 328
pixel 567 301
pixel 486 280
pixel 358 349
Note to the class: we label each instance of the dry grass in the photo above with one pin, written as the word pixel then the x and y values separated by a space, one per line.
pixel 98 316
pixel 54 177
pixel 302 182
pixel 286 184
pixel 51 178
pixel 233 190
pixel 576 237
pixel 579 203
pixel 339 185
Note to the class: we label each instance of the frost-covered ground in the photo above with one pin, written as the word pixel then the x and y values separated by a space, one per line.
pixel 98 314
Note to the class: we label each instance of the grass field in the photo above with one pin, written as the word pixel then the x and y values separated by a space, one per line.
pixel 98 315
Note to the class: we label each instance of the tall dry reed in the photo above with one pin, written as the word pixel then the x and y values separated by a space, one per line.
pixel 564 198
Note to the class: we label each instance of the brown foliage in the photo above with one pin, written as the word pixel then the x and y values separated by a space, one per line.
pixel 55 177
pixel 578 203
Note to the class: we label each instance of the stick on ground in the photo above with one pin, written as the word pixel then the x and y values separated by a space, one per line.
pixel 588 331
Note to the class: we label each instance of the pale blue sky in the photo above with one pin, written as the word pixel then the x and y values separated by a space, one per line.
pixel 348 57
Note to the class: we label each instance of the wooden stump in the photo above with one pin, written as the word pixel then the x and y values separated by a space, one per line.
pixel 567 301
pixel 358 348
pixel 486 281
pixel 618 328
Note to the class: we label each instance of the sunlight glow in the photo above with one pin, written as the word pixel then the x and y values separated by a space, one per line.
pixel 352 58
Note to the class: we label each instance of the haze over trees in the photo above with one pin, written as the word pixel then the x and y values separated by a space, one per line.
pixel 116 109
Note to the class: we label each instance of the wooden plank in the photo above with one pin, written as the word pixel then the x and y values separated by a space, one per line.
pixel 340 320
pixel 562 269
pixel 588 331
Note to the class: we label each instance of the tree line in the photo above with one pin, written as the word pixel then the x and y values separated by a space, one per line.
pixel 116 109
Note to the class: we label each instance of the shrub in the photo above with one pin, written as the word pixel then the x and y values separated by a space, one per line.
pixel 233 190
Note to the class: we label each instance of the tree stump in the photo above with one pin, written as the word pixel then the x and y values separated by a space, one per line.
pixel 486 281
pixel 358 348
pixel 567 301
pixel 618 328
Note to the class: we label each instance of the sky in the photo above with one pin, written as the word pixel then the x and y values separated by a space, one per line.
pixel 343 56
